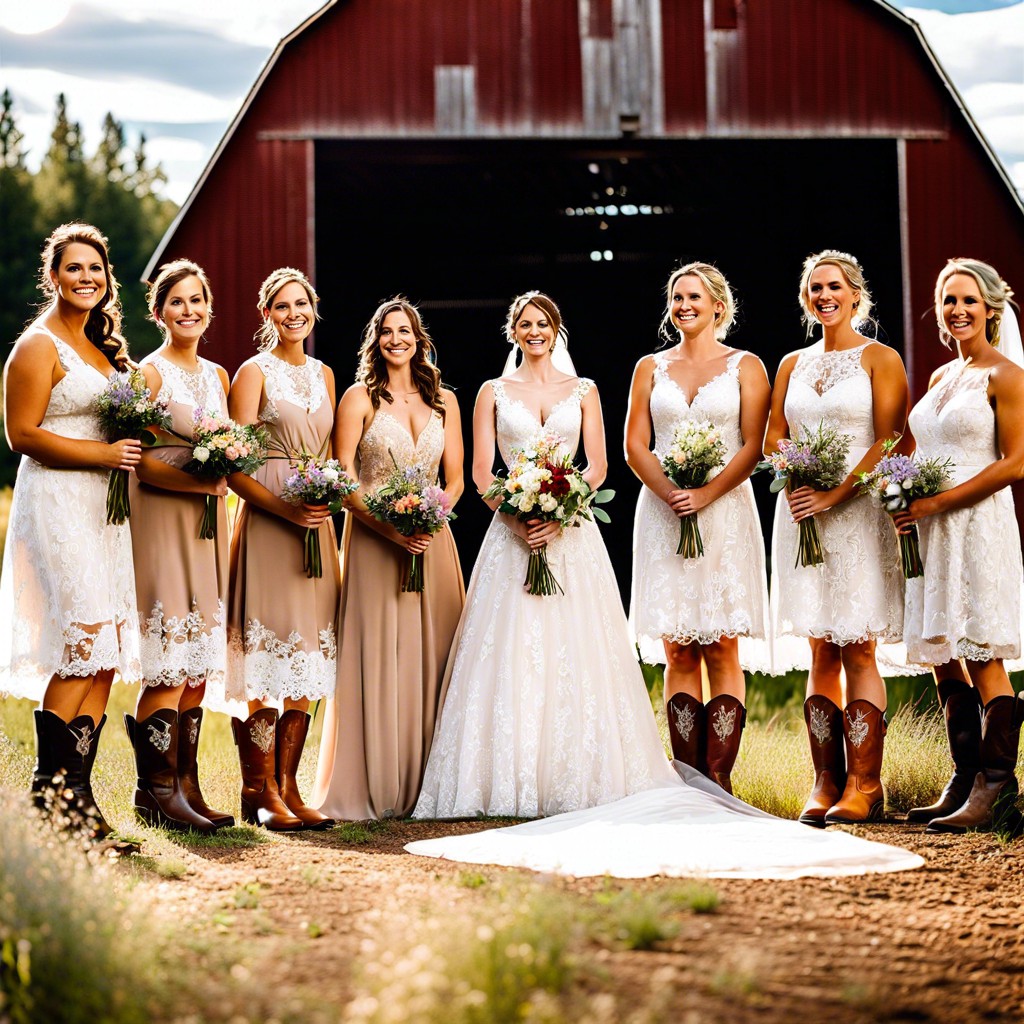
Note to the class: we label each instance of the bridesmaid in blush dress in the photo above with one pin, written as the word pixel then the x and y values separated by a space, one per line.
pixel 712 609
pixel 281 624
pixel 855 599
pixel 392 645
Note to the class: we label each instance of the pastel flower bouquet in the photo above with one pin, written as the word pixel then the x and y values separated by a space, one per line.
pixel 543 483
pixel 316 481
pixel 697 450
pixel 412 504
pixel 813 459
pixel 895 482
pixel 126 409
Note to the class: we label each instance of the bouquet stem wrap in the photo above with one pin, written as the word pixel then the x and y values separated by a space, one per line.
pixel 809 548
pixel 119 506
pixel 540 580
pixel 910 554
pixel 312 559
pixel 413 582
pixel 208 524
pixel 691 544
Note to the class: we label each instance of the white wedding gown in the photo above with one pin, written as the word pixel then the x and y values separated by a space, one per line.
pixel 546 711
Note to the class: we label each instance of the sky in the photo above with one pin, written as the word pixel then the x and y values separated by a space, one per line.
pixel 179 72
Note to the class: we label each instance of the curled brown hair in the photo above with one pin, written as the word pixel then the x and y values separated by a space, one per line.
pixel 373 371
pixel 266 336
pixel 168 276
pixel 103 325
pixel 544 303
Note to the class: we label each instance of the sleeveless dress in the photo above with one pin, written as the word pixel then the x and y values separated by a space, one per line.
pixel 725 592
pixel 968 603
pixel 857 594
pixel 392 646
pixel 67 587
pixel 181 582
pixel 281 625
pixel 545 709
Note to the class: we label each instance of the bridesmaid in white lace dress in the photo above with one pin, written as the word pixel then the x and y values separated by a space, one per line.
pixel 181 580
pixel 281 624
pixel 855 598
pixel 67 593
pixel 545 709
pixel 392 646
pixel 965 612
pixel 697 609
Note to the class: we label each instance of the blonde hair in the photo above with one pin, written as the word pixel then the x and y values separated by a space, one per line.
pixel 718 288
pixel 167 277
pixel 266 336
pixel 851 271
pixel 373 371
pixel 995 293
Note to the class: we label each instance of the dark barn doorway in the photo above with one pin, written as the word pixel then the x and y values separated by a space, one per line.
pixel 460 227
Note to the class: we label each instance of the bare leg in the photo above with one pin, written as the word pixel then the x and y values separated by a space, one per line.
pixel 191 697
pixel 863 680
pixel 724 673
pixel 156 698
pixel 682 670
pixel 95 703
pixel 64 696
pixel 825 676
pixel 990 679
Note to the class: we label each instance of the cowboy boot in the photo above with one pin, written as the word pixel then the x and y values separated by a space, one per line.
pixel 45 782
pixel 725 717
pixel 961 707
pixel 189 725
pixel 863 798
pixel 292 728
pixel 991 801
pixel 686 721
pixel 158 796
pixel 261 800
pixel 824 723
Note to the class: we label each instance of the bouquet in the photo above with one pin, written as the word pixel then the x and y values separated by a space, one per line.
pixel 126 408
pixel 411 504
pixel 896 481
pixel 696 450
pixel 316 481
pixel 221 447
pixel 816 460
pixel 543 483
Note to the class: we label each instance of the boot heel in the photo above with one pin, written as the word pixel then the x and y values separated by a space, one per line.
pixel 249 815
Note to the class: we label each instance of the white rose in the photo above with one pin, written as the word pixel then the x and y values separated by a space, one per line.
pixel 331 474
pixel 200 453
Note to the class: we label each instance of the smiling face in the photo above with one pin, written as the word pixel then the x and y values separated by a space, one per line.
pixel 397 339
pixel 534 332
pixel 964 312
pixel 80 280
pixel 185 313
pixel 830 299
pixel 691 307
pixel 291 313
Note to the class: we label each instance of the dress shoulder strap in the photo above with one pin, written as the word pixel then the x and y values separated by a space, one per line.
pixel 498 387
pixel 583 385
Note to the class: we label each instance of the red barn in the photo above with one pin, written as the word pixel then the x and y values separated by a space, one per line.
pixel 461 151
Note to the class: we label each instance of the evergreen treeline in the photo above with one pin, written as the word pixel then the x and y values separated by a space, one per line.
pixel 114 188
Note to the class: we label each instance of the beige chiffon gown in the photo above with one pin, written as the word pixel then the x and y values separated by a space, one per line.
pixel 393 647
pixel 181 581
pixel 281 624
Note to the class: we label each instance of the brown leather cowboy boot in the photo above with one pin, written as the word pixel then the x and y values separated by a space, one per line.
pixel 256 739
pixel 686 720
pixel 158 796
pixel 824 723
pixel 190 723
pixel 994 793
pixel 961 707
pixel 725 717
pixel 292 728
pixel 863 798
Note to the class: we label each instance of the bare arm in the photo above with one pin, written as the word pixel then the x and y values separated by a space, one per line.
pixel 484 442
pixel 593 439
pixel 778 427
pixel 31 373
pixel 639 457
pixel 453 455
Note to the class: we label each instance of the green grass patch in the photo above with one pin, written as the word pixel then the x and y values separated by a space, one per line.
pixel 359 833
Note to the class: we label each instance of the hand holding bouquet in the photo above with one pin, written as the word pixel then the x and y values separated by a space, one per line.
pixel 543 484
pixel 816 460
pixel 126 409
pixel 896 481
pixel 221 447
pixel 411 504
pixel 696 450
pixel 316 481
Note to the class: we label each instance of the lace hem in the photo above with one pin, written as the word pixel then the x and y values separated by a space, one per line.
pixel 183 650
pixel 91 649
pixel 840 640
pixel 270 668
pixel 709 637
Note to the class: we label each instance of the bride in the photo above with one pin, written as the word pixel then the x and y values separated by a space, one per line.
pixel 544 709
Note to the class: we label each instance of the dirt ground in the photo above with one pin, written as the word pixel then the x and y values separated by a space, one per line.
pixel 942 943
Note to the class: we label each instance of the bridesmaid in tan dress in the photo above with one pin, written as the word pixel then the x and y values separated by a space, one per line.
pixel 181 581
pixel 393 645
pixel 281 625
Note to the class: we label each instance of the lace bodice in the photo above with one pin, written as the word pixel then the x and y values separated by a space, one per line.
pixel 516 425
pixel 386 437
pixel 199 390
pixel 717 400
pixel 71 411
pixel 302 386
pixel 954 420
pixel 831 387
